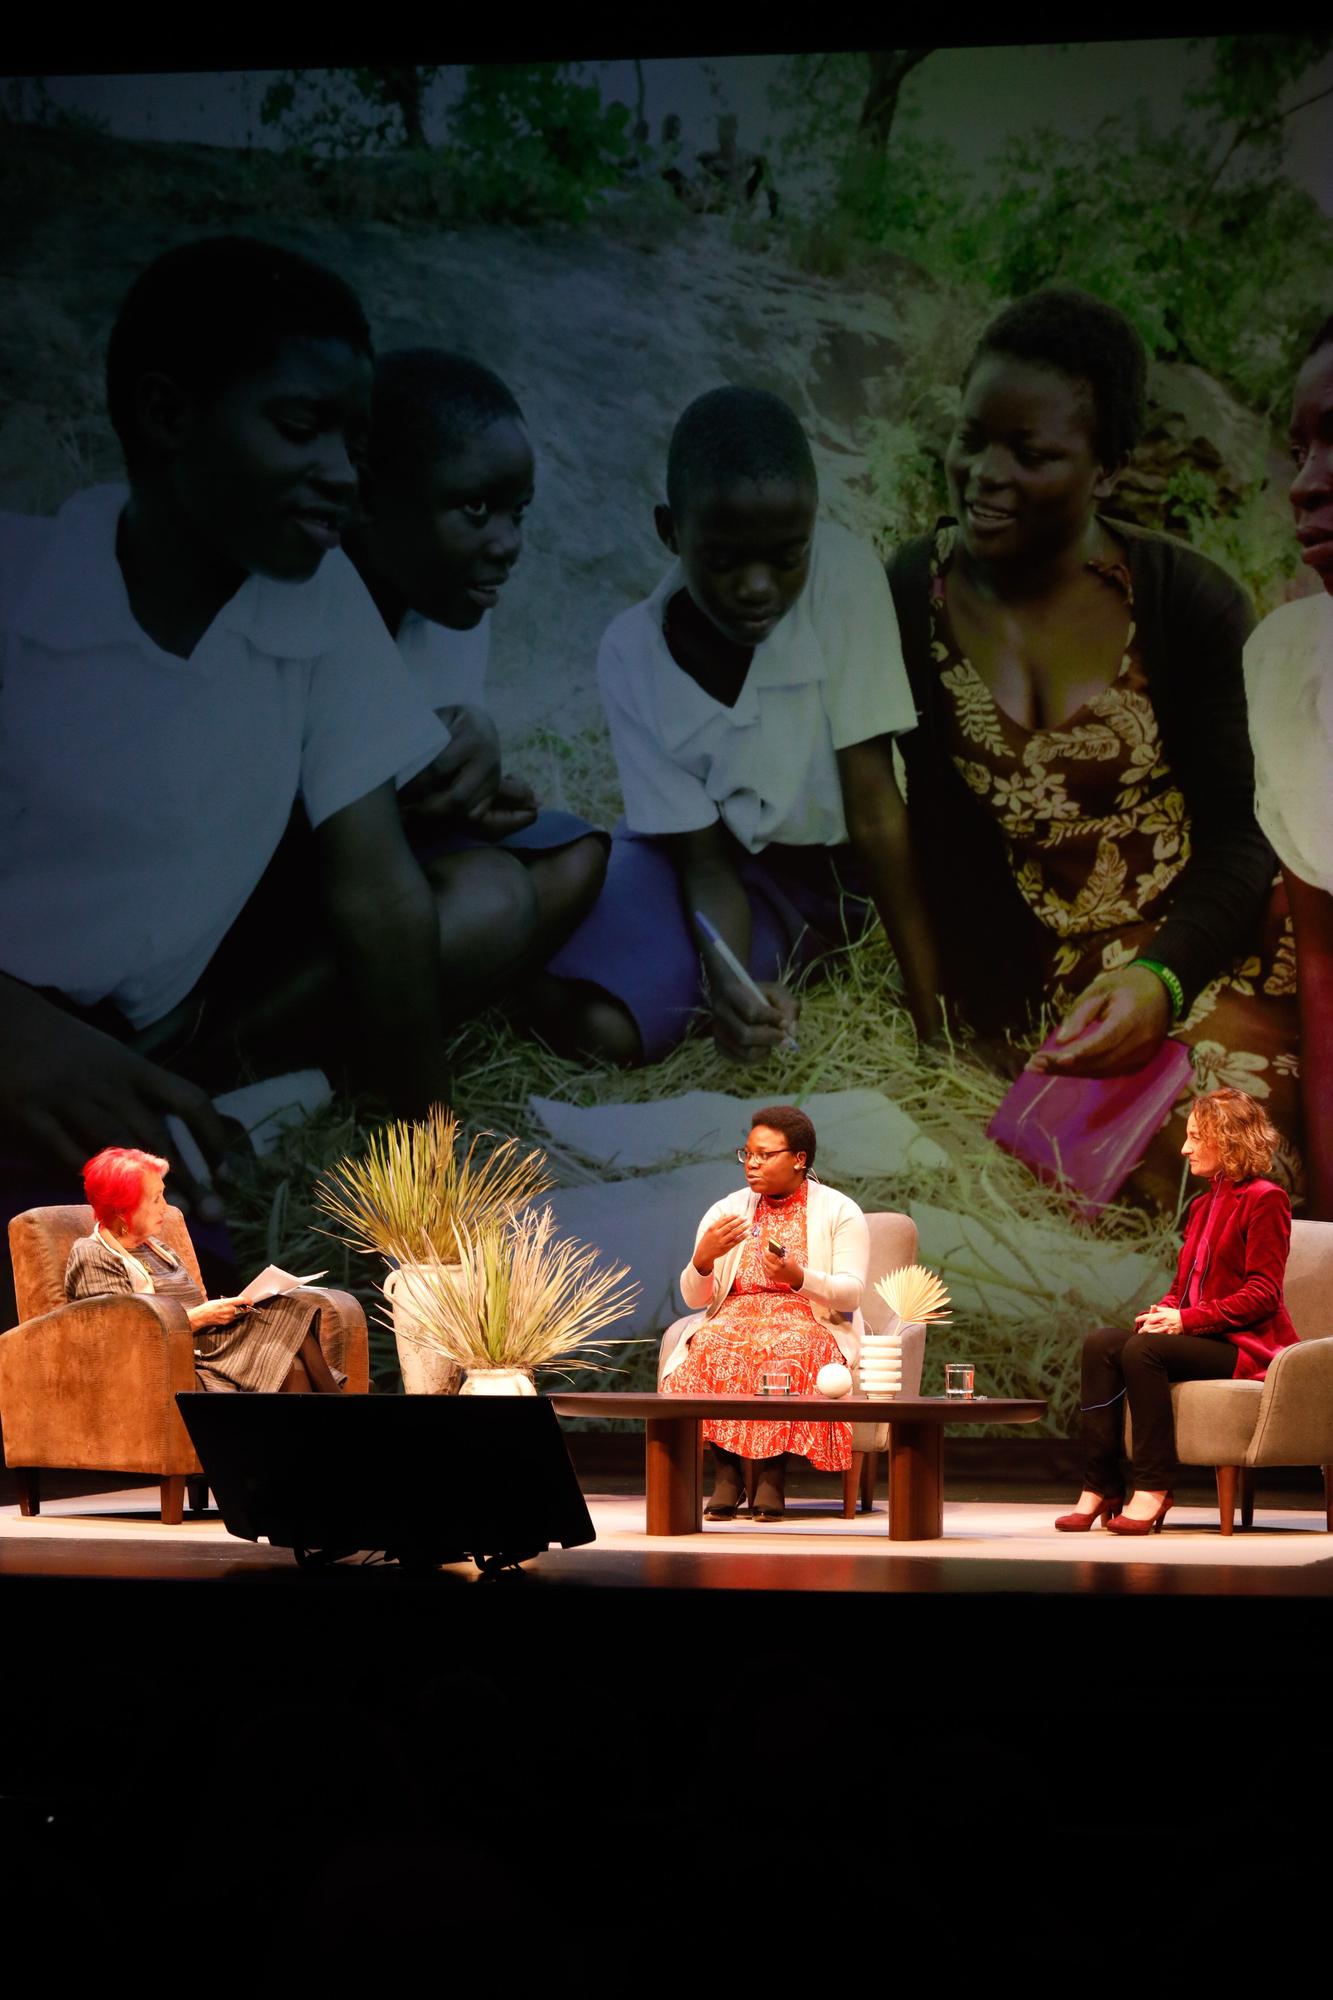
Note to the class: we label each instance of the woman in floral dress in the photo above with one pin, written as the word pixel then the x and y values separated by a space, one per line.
pixel 1081 782
pixel 791 1308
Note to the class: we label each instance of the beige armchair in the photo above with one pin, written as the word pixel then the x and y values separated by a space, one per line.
pixel 1287 1419
pixel 92 1385
pixel 893 1242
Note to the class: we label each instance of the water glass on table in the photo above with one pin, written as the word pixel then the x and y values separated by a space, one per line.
pixel 959 1380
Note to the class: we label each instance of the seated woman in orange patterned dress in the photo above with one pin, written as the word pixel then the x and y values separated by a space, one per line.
pixel 780 1270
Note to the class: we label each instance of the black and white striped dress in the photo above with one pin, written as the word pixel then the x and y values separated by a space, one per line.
pixel 253 1351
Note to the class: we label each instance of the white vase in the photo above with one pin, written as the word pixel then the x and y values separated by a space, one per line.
pixel 881 1364
pixel 498 1382
pixel 425 1369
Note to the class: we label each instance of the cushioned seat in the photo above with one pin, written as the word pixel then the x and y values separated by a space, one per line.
pixel 92 1385
pixel 893 1243
pixel 1287 1419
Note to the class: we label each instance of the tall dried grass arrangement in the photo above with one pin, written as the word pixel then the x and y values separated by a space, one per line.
pixel 410 1192
pixel 517 1297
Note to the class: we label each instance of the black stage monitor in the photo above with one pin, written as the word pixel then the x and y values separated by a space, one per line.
pixel 426 1479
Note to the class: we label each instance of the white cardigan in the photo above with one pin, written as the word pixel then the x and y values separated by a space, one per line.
pixel 838 1248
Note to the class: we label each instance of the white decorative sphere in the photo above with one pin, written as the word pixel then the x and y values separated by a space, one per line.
pixel 833 1379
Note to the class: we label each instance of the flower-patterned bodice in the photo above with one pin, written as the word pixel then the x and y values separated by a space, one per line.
pixel 784 1222
pixel 1096 826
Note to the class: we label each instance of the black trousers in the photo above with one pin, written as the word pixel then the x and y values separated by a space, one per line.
pixel 1141 1366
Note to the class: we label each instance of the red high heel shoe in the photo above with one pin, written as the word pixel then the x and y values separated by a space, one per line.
pixel 1123 1525
pixel 1078 1524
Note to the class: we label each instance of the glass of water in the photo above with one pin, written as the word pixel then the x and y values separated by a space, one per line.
pixel 959 1378
pixel 775 1382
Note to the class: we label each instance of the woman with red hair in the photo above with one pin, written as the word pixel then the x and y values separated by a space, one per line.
pixel 1223 1316
pixel 274 1345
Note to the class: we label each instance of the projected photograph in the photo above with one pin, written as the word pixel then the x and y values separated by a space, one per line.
pixel 612 597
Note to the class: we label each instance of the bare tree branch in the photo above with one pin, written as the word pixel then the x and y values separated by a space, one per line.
pixel 1242 137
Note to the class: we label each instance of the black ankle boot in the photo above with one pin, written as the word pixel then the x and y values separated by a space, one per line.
pixel 770 1482
pixel 728 1485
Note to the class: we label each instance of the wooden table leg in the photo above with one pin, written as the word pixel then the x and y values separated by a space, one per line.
pixel 916 1481
pixel 671 1464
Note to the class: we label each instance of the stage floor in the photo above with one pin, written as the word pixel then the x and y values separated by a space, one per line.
pixel 426 1748
pixel 992 1546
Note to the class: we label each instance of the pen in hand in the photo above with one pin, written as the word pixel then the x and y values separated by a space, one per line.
pixel 738 972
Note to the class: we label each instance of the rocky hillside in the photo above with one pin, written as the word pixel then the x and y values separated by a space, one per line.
pixel 604 333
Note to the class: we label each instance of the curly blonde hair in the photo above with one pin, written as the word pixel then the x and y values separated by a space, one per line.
pixel 1239 1131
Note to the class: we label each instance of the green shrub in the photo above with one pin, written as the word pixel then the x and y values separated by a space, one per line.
pixel 528 141
pixel 1227 276
pixel 525 142
pixel 1249 539
pixel 1223 276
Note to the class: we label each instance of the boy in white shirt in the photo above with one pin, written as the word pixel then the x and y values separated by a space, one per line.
pixel 179 661
pixel 752 701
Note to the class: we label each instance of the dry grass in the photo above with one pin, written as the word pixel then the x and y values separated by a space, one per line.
pixel 855 1034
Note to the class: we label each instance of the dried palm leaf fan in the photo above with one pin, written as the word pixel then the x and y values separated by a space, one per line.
pixel 917 1295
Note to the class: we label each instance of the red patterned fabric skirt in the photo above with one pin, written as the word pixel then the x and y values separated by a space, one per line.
pixel 726 1360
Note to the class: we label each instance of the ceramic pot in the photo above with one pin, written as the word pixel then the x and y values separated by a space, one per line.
pixel 498 1382
pixel 881 1364
pixel 425 1370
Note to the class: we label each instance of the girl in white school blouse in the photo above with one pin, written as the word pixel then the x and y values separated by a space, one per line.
pixel 752 701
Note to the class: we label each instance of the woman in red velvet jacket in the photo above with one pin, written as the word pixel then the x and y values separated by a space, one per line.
pixel 1223 1316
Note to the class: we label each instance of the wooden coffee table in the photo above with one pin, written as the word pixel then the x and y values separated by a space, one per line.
pixel 673 1444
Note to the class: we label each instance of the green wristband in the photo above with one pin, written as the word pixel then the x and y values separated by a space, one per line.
pixel 1175 990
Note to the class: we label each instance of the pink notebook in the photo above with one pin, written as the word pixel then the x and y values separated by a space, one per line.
pixel 1087 1134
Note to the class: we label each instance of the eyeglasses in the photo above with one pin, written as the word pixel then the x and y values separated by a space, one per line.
pixel 763 1158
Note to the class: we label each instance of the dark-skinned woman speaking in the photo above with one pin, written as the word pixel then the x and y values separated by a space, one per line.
pixel 1081 783
pixel 775 1282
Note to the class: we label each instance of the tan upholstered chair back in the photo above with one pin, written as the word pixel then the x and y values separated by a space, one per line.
pixel 1308 1284
pixel 893 1243
pixel 41 1239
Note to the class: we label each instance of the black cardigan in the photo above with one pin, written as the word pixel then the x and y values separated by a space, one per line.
pixel 1192 622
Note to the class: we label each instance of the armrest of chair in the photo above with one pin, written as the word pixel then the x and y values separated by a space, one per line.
pixel 875 1437
pixel 343 1338
pixel 94 1384
pixel 1295 1421
pixel 914 1357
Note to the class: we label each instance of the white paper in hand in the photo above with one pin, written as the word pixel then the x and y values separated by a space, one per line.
pixel 272 1283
